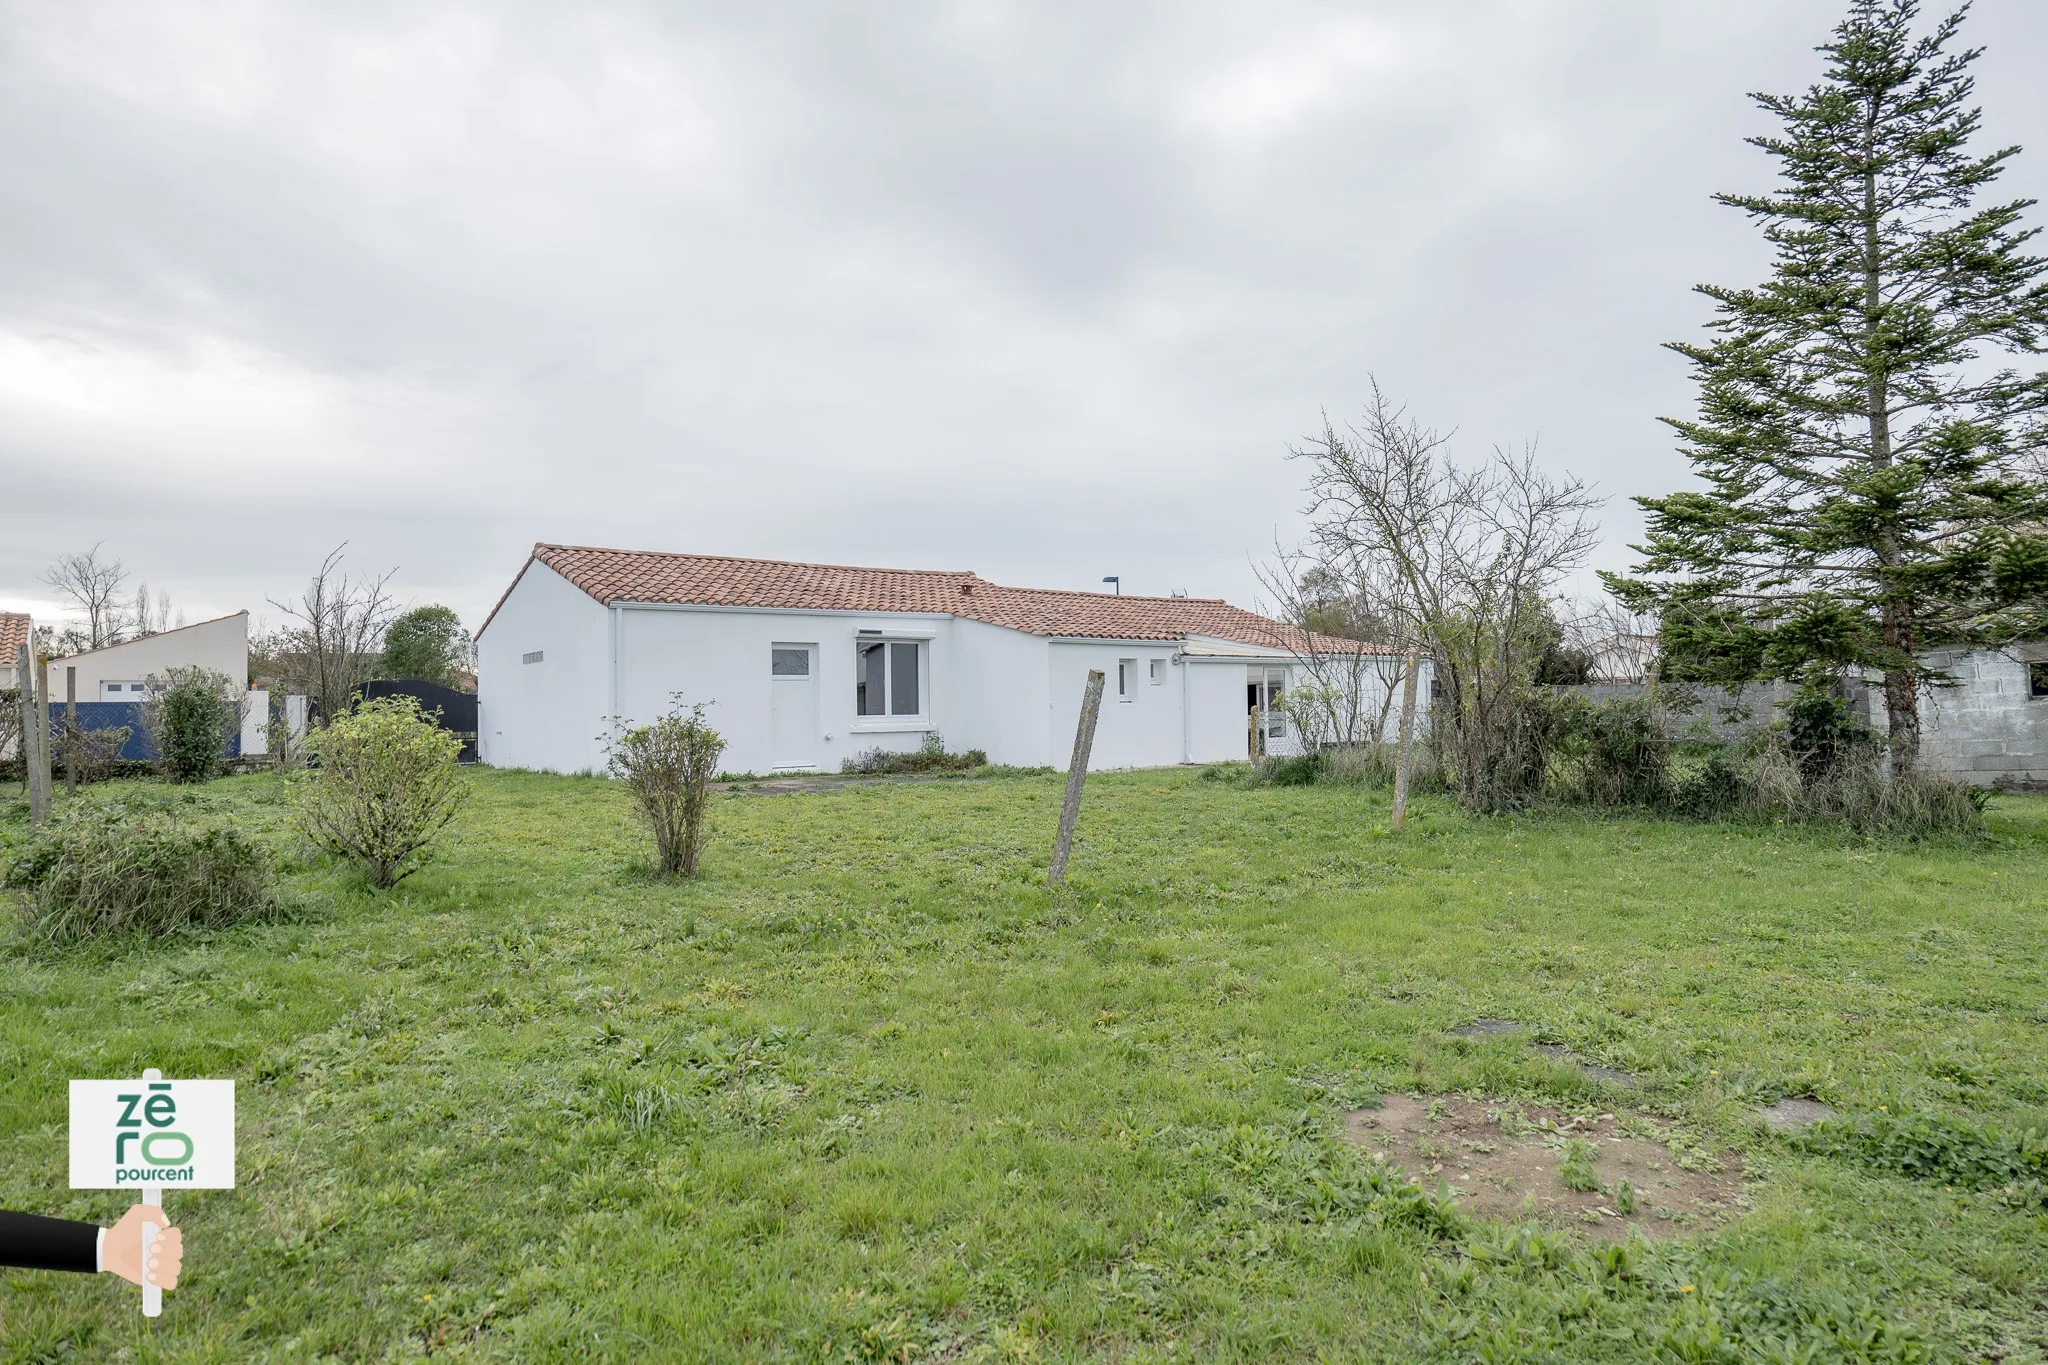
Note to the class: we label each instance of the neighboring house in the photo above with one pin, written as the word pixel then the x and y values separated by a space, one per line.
pixel 804 665
pixel 16 629
pixel 112 680
pixel 121 672
pixel 1624 658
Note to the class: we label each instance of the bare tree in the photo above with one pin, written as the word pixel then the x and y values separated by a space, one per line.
pixel 94 586
pixel 337 632
pixel 147 618
pixel 1345 648
pixel 1464 562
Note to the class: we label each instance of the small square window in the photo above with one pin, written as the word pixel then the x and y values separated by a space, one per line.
pixel 1158 671
pixel 2037 679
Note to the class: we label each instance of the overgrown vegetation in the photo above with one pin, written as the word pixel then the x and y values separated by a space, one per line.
pixel 865 1086
pixel 385 787
pixel 190 718
pixel 929 756
pixel 109 868
pixel 669 767
pixel 1818 764
pixel 1932 1146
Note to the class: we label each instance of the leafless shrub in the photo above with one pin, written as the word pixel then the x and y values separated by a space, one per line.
pixel 333 647
pixel 669 767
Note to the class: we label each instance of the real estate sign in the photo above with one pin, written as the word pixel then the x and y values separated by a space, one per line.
pixel 152 1133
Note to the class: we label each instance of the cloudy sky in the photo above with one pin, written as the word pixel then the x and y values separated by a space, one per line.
pixel 1042 290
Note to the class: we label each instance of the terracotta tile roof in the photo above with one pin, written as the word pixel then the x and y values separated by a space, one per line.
pixel 720 580
pixel 14 627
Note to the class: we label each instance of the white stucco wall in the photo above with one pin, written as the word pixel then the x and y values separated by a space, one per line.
pixel 722 658
pixel 546 715
pixel 1001 679
pixel 1140 731
pixel 221 645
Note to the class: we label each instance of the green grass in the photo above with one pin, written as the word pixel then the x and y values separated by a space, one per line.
pixel 868 1091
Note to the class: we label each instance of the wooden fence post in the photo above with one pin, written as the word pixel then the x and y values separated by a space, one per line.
pixel 1077 772
pixel 24 696
pixel 71 728
pixel 43 731
pixel 1405 760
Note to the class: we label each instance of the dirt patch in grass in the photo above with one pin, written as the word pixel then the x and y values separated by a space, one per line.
pixel 1510 1161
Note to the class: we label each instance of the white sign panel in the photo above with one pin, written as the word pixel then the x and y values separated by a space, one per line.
pixel 177 1135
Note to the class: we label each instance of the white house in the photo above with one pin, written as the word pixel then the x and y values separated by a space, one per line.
pixel 803 665
pixel 122 672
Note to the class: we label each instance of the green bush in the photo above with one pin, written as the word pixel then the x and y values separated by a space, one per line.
pixel 385 788
pixel 190 719
pixel 105 869
pixel 669 767
pixel 928 757
pixel 1613 753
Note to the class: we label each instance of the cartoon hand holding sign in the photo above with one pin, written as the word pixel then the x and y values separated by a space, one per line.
pixel 144 1135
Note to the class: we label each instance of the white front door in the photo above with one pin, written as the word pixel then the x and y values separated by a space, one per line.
pixel 793 674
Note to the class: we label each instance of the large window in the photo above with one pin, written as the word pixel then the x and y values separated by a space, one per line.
pixel 887 678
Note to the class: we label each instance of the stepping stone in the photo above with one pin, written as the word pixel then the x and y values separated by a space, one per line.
pixel 1488 1028
pixel 1788 1114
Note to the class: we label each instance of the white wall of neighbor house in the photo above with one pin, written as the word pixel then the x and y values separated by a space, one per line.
pixel 221 645
pixel 543 678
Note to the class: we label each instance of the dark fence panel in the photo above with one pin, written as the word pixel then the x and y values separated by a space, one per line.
pixel 452 710
pixel 112 715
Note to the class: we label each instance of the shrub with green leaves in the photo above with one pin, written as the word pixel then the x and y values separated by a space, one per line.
pixel 669 767
pixel 385 787
pixel 105 869
pixel 191 717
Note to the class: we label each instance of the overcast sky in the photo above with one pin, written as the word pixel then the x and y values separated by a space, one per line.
pixel 1042 290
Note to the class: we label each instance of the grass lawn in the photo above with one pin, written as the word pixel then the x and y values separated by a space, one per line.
pixel 867 1091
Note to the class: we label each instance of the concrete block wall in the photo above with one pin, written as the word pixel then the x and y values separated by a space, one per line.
pixel 1986 728
pixel 1989 725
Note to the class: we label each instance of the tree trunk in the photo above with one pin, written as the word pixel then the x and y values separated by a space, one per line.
pixel 1901 680
pixel 1406 759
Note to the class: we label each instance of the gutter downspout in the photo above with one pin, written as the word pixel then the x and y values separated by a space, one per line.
pixel 617 628
pixel 1187 733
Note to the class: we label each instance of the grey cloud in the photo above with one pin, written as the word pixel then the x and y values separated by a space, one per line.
pixel 1041 290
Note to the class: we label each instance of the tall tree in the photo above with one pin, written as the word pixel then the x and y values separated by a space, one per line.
pixel 1874 486
pixel 94 586
pixel 428 643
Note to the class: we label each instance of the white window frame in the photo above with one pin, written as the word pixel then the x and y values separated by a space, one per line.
pixel 1156 670
pixel 1126 680
pixel 870 725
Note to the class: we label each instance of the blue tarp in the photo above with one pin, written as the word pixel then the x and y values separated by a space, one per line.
pixel 112 715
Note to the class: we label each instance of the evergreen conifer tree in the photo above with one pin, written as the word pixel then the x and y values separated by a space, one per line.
pixel 1872 461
